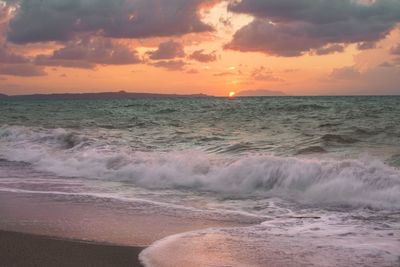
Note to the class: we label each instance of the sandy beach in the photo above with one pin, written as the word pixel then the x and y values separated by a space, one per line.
pixel 18 249
pixel 38 230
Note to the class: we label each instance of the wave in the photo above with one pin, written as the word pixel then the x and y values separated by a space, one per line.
pixel 60 138
pixel 298 107
pixel 326 183
pixel 340 139
pixel 394 160
pixel 233 148
pixel 328 125
pixel 311 150
pixel 167 110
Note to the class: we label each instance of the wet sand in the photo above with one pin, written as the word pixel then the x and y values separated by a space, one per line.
pixel 39 230
pixel 25 250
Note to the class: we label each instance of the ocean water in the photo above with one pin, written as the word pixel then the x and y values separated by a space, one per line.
pixel 318 176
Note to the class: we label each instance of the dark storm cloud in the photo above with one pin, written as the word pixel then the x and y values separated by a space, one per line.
pixel 319 11
pixel 22 70
pixel 168 50
pixel 171 65
pixel 88 52
pixel 16 65
pixel 59 20
pixel 294 27
pixel 201 56
pixel 9 57
pixel 43 60
pixel 366 45
pixel 330 49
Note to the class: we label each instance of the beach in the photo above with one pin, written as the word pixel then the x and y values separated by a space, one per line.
pixel 53 230
pixel 22 250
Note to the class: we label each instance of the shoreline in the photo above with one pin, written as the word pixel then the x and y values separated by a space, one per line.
pixel 44 230
pixel 24 250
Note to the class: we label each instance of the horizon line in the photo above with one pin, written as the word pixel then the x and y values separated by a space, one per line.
pixel 121 92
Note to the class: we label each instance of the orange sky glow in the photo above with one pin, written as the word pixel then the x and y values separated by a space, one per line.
pixel 222 56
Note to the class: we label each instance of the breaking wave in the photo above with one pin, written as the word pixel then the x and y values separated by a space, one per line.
pixel 323 183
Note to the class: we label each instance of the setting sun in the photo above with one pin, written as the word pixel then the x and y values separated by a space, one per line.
pixel 232 94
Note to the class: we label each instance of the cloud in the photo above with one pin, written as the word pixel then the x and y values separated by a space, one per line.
pixel 227 22
pixel 330 49
pixel 16 65
pixel 171 65
pixel 366 45
pixel 88 52
pixel 395 50
pixel 395 62
pixel 58 20
pixel 292 28
pixel 9 57
pixel 226 73
pixel 262 36
pixel 200 56
pixel 43 60
pixel 387 64
pixel 192 71
pixel 168 50
pixel 6 13
pixel 263 74
pixel 22 70
pixel 383 79
pixel 345 73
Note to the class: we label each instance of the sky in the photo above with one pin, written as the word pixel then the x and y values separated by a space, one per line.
pixel 299 47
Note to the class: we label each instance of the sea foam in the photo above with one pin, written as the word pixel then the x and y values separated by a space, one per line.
pixel 323 183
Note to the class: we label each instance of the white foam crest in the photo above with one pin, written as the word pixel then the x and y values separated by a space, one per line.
pixel 297 242
pixel 58 137
pixel 352 183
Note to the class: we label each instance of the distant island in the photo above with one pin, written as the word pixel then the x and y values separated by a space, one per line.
pixel 105 95
pixel 260 92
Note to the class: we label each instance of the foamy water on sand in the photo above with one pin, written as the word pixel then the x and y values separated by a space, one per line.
pixel 276 181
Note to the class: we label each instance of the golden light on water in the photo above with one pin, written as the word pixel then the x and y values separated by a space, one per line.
pixel 232 94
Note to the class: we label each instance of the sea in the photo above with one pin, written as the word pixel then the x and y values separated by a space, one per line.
pixel 318 178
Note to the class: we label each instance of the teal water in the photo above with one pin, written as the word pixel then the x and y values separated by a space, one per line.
pixel 267 158
pixel 282 125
